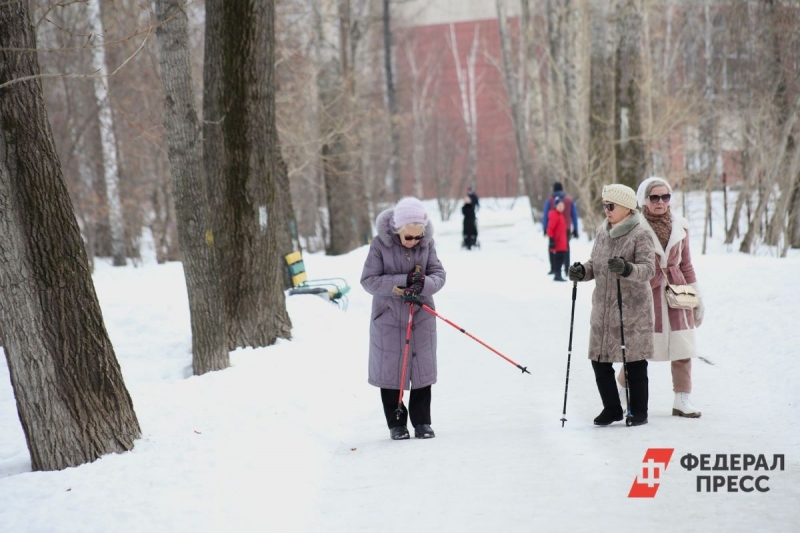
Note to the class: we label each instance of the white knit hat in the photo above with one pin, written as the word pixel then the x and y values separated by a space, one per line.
pixel 409 210
pixel 649 183
pixel 620 195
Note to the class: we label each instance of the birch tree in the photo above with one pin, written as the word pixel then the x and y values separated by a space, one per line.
pixel 109 141
pixel 468 87
pixel 71 398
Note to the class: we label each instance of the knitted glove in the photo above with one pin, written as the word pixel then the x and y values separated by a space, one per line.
pixel 698 313
pixel 411 294
pixel 618 265
pixel 576 272
pixel 415 277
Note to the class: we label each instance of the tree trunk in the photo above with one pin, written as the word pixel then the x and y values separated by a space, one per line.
pixel 517 118
pixel 200 268
pixel 630 156
pixel 240 146
pixel 602 163
pixel 72 401
pixel 394 178
pixel 109 140
pixel 533 82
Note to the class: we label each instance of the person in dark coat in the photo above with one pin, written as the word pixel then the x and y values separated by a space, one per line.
pixel 404 240
pixel 473 197
pixel 470 231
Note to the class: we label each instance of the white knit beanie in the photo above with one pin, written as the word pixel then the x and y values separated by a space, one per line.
pixel 409 210
pixel 650 183
pixel 620 195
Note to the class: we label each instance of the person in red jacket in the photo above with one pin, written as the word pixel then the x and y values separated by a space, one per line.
pixel 557 232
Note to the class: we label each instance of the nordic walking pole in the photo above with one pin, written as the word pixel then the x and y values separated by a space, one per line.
pixel 399 411
pixel 473 337
pixel 628 420
pixel 569 350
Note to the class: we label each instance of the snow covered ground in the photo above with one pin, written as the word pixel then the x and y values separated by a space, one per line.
pixel 292 438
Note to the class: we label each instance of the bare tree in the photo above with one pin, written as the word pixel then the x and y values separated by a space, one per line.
pixel 72 401
pixel 423 87
pixel 518 118
pixel 239 159
pixel 393 180
pixel 209 334
pixel 468 88
pixel 110 166
pixel 630 157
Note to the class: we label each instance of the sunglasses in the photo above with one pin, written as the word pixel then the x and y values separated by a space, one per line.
pixel 413 237
pixel 609 207
pixel 654 198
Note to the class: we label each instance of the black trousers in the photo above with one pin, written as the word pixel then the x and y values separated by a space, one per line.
pixel 419 407
pixel 638 386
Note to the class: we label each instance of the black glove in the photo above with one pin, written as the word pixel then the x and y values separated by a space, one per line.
pixel 552 244
pixel 618 265
pixel 545 233
pixel 576 272
pixel 575 234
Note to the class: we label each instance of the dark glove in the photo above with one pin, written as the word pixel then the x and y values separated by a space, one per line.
pixel 411 294
pixel 545 233
pixel 618 265
pixel 576 272
pixel 552 244
pixel 575 234
pixel 415 277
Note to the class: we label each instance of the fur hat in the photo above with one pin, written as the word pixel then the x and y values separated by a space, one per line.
pixel 648 185
pixel 620 194
pixel 409 210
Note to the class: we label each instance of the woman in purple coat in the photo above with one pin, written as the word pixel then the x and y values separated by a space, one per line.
pixel 404 240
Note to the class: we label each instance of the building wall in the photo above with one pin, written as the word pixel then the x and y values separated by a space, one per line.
pixel 426 29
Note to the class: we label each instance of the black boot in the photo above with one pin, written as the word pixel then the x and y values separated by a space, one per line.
pixel 607 386
pixel 639 392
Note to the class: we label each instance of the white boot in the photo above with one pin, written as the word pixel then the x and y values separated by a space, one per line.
pixel 682 406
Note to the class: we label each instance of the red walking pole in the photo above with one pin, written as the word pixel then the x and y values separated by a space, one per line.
pixel 399 410
pixel 473 337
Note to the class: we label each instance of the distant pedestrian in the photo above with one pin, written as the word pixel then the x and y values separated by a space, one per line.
pixel 556 231
pixel 473 196
pixel 570 216
pixel 470 228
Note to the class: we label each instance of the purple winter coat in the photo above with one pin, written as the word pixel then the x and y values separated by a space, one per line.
pixel 387 266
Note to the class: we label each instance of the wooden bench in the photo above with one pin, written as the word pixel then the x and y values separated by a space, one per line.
pixel 332 289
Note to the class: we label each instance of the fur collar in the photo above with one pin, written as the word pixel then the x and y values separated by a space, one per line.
pixel 624 227
pixel 384 225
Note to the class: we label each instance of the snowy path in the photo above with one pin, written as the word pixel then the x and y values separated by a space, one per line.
pixel 501 456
